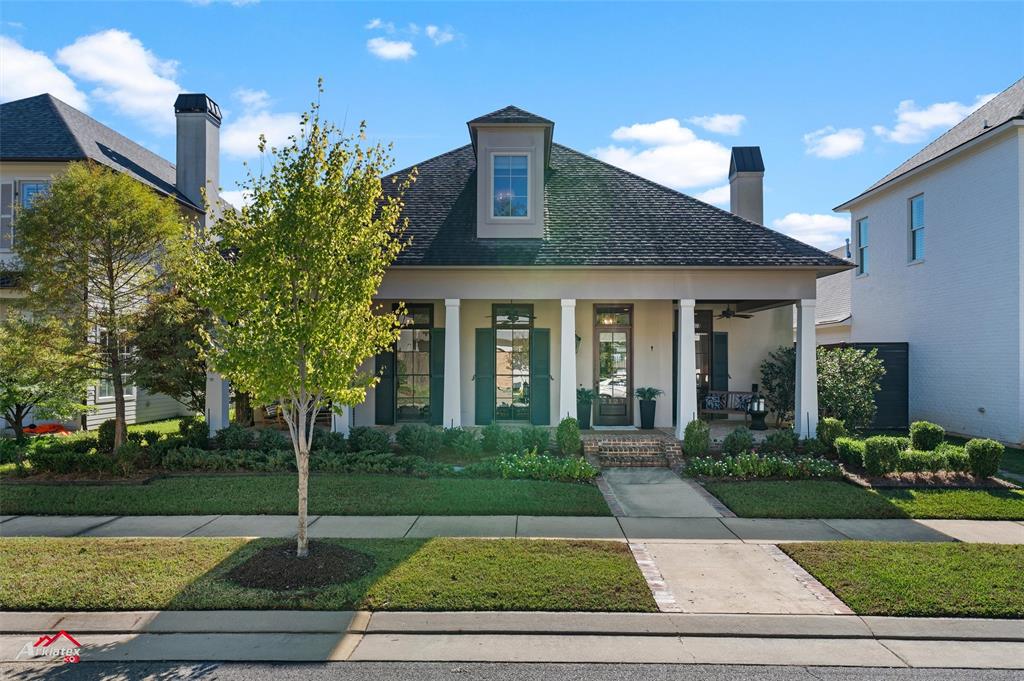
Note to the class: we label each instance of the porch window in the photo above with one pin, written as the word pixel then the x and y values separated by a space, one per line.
pixel 862 246
pixel 511 185
pixel 412 364
pixel 917 227
pixel 513 325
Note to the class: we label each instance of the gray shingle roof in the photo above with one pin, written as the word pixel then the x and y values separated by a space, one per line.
pixel 834 295
pixel 1006 106
pixel 511 114
pixel 595 214
pixel 43 128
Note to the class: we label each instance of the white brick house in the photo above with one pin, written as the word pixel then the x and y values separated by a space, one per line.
pixel 939 250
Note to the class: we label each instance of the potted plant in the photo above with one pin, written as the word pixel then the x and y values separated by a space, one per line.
pixel 647 397
pixel 584 400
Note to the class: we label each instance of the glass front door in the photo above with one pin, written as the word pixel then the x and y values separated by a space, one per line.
pixel 613 365
pixel 512 327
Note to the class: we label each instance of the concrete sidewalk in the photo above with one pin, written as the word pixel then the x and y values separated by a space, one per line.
pixel 526 637
pixel 650 529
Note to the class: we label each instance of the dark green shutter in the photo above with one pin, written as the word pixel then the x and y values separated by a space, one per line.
pixel 720 362
pixel 483 379
pixel 540 377
pixel 384 406
pixel 437 376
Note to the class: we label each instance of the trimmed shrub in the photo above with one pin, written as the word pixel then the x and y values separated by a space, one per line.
pixel 750 465
pixel 151 437
pixel 955 456
pixel 917 461
pixel 269 439
pixel 491 437
pixel 510 441
pixel 882 454
pixel 779 442
pixel 419 440
pixel 738 441
pixel 926 436
pixel 850 451
pixel 812 446
pixel 830 429
pixel 194 431
pixel 535 438
pixel 533 466
pixel 463 442
pixel 984 456
pixel 9 449
pixel 105 436
pixel 130 458
pixel 568 437
pixel 366 439
pixel 697 438
pixel 328 441
pixel 234 437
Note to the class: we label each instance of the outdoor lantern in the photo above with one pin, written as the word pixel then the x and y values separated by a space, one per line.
pixel 758 409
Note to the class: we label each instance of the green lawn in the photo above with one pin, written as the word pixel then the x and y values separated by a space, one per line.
pixel 919 579
pixel 409 574
pixel 831 499
pixel 167 427
pixel 328 495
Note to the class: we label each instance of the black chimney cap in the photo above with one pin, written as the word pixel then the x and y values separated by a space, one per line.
pixel 196 103
pixel 746 160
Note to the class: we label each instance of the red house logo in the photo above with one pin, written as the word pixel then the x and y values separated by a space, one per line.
pixel 62 644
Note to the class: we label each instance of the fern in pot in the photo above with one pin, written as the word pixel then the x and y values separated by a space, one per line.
pixel 648 401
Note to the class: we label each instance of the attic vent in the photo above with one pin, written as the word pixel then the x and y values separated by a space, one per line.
pixel 984 124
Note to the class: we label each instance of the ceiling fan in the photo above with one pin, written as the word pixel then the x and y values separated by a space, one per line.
pixel 729 313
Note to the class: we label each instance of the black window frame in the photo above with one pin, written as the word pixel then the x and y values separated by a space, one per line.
pixel 526 315
pixel 412 325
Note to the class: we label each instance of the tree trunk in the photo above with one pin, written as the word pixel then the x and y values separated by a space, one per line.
pixel 119 411
pixel 302 543
pixel 243 409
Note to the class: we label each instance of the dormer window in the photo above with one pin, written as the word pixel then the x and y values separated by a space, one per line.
pixel 511 185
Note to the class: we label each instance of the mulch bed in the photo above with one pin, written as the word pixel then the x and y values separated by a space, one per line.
pixel 276 567
pixel 925 480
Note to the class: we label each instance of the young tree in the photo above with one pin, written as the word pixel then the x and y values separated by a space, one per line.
pixel 92 251
pixel 778 382
pixel 43 371
pixel 167 341
pixel 290 280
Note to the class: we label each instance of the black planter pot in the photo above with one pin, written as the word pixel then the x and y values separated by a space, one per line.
pixel 583 415
pixel 647 414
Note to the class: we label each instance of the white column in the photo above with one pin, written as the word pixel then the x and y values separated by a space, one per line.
pixel 341 420
pixel 218 399
pixel 806 414
pixel 451 413
pixel 567 361
pixel 687 378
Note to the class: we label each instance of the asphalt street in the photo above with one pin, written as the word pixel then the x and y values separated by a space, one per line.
pixel 386 671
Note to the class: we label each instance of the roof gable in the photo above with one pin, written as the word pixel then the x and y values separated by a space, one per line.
pixel 595 215
pixel 510 114
pixel 43 128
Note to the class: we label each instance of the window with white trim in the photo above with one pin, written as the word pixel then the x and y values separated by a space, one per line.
pixel 510 183
pixel 917 227
pixel 105 386
pixel 862 246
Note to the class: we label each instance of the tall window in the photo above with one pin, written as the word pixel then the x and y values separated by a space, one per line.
pixel 917 227
pixel 511 185
pixel 862 246
pixel 27 192
pixel 412 364
pixel 105 387
pixel 512 326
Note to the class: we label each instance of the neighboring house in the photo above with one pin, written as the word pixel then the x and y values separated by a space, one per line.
pixel 833 317
pixel 533 269
pixel 40 135
pixel 939 252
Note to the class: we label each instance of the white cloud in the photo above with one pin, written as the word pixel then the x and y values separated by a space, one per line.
pixel 440 36
pixel 128 76
pixel 816 229
pixel 378 24
pixel 723 124
pixel 236 198
pixel 914 124
pixel 716 196
pixel 25 73
pixel 239 137
pixel 390 49
pixel 831 143
pixel 674 156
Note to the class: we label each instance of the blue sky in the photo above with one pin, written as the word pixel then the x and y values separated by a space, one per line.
pixel 836 94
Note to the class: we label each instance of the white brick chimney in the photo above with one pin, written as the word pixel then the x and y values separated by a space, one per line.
pixel 198 149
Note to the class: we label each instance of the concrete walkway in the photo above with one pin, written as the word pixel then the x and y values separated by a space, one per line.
pixel 525 637
pixel 633 529
pixel 657 493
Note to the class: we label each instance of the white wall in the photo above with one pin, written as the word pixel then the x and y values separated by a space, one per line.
pixel 959 309
pixel 833 333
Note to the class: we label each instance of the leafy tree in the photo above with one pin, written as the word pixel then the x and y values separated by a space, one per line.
pixel 290 280
pixel 166 358
pixel 43 370
pixel 848 379
pixel 92 252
